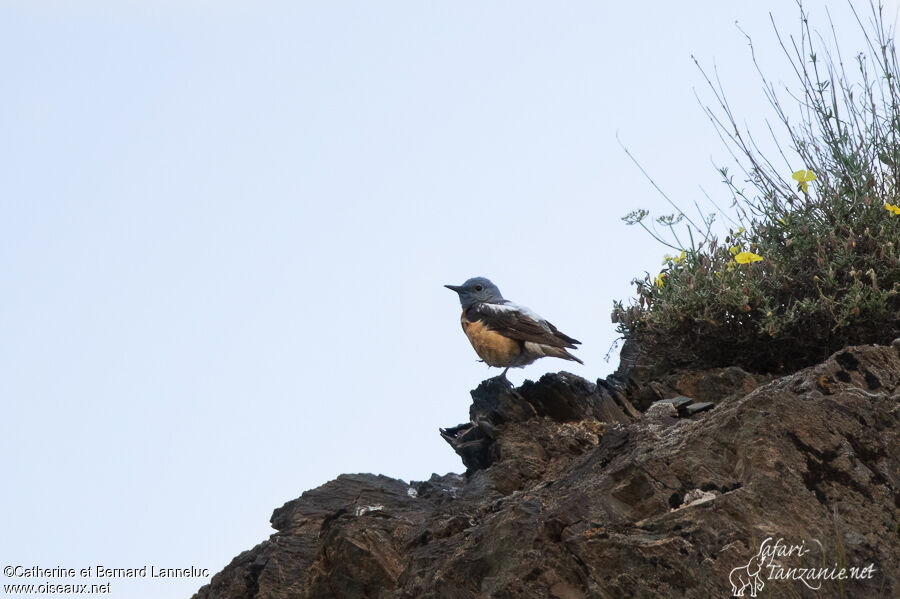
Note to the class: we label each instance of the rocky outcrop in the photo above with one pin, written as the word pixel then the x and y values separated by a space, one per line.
pixel 646 484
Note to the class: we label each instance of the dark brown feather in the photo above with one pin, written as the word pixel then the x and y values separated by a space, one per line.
pixel 518 325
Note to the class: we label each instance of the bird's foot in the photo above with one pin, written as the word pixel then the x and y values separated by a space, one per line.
pixel 502 377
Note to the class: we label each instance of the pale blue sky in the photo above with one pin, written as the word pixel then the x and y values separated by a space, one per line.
pixel 225 227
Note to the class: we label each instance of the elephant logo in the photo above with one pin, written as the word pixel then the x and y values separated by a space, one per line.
pixel 747 577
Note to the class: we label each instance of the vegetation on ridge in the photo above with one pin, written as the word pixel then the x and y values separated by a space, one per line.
pixel 812 261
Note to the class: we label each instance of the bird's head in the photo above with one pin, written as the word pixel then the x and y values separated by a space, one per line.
pixel 476 290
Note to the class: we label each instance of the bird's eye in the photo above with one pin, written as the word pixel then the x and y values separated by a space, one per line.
pixel 479 288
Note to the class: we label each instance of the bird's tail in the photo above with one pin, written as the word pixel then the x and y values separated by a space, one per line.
pixel 567 356
pixel 559 352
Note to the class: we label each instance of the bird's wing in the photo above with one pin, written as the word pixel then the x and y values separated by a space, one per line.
pixel 518 322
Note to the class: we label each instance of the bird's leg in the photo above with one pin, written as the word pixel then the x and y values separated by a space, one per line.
pixel 502 375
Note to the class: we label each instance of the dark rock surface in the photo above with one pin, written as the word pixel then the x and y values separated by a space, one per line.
pixel 571 492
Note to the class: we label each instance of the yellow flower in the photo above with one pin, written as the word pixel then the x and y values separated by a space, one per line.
pixel 747 258
pixel 660 279
pixel 804 177
pixel 679 259
pixel 892 208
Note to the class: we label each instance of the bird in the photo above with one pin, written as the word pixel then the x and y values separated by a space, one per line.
pixel 507 335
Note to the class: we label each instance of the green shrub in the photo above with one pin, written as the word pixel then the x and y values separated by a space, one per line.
pixel 810 265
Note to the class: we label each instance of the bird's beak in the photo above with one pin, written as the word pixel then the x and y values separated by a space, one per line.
pixel 456 288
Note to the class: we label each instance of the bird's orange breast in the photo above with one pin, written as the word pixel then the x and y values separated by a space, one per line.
pixel 491 346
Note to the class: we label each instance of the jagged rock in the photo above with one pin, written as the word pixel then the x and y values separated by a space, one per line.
pixel 677 402
pixel 644 382
pixel 676 406
pixel 536 408
pixel 697 496
pixel 661 412
pixel 694 408
pixel 569 498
